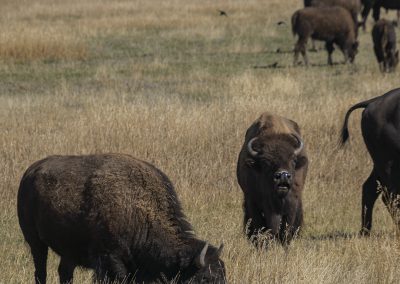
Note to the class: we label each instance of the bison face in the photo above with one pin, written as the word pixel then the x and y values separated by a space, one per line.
pixel 353 50
pixel 274 162
pixel 206 267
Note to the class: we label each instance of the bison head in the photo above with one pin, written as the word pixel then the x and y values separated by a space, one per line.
pixel 352 51
pixel 274 161
pixel 207 267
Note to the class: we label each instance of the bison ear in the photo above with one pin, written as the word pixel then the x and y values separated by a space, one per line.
pixel 301 162
pixel 250 162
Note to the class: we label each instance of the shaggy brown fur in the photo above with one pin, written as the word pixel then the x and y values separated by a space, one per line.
pixel 384 38
pixel 380 124
pixel 272 175
pixel 112 213
pixel 333 25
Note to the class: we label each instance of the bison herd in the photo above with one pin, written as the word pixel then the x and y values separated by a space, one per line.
pixel 336 22
pixel 121 217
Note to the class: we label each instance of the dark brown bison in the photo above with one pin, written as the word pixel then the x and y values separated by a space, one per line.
pixel 376 5
pixel 112 213
pixel 271 171
pixel 353 6
pixel 333 25
pixel 384 38
pixel 380 125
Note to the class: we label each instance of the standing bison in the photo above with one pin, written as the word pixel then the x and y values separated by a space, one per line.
pixel 271 171
pixel 384 38
pixel 380 125
pixel 334 25
pixel 112 213
pixel 376 5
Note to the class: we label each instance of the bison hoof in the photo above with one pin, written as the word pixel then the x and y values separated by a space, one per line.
pixel 364 232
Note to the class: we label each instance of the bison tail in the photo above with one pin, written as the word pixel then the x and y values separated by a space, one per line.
pixel 295 18
pixel 345 131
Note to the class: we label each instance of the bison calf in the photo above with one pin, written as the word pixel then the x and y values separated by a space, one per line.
pixel 271 171
pixel 334 25
pixel 384 38
pixel 112 213
pixel 380 124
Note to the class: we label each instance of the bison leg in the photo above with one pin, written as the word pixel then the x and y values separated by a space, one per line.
pixel 111 268
pixel 39 253
pixel 291 224
pixel 66 270
pixel 300 47
pixel 369 196
pixel 329 47
pixel 253 222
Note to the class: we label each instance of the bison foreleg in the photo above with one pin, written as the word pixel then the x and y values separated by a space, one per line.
pixel 66 271
pixel 111 268
pixel 369 195
pixel 291 224
pixel 252 221
pixel 329 48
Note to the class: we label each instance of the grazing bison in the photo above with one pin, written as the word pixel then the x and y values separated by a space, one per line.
pixel 380 125
pixel 384 38
pixel 271 171
pixel 376 5
pixel 333 25
pixel 112 213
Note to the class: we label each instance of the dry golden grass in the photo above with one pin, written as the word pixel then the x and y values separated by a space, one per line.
pixel 173 83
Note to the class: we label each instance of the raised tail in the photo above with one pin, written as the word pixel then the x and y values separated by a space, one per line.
pixel 345 131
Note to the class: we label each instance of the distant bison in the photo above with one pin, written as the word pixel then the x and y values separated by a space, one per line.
pixel 333 25
pixel 353 6
pixel 271 171
pixel 112 213
pixel 380 125
pixel 376 5
pixel 384 38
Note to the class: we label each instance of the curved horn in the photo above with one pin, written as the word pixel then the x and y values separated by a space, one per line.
pixel 203 255
pixel 219 251
pixel 250 147
pixel 300 143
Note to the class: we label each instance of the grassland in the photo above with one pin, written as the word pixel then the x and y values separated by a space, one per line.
pixel 174 83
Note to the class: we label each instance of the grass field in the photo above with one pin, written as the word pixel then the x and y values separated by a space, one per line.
pixel 174 83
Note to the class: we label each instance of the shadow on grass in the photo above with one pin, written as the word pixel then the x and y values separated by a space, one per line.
pixel 345 236
pixel 301 65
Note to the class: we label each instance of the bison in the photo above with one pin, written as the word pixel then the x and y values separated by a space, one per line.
pixel 380 125
pixel 353 6
pixel 112 213
pixel 376 5
pixel 271 171
pixel 334 25
pixel 384 38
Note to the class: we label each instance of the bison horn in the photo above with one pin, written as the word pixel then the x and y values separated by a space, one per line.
pixel 219 251
pixel 300 143
pixel 202 256
pixel 250 147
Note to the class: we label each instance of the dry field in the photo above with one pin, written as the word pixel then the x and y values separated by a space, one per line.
pixel 174 83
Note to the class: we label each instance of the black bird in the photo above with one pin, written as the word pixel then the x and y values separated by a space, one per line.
pixel 281 23
pixel 278 50
pixel 274 65
pixel 222 13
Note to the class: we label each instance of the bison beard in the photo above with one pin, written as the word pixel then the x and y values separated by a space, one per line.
pixel 271 171
pixel 112 213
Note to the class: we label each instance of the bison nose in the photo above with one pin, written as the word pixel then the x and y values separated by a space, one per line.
pixel 282 176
